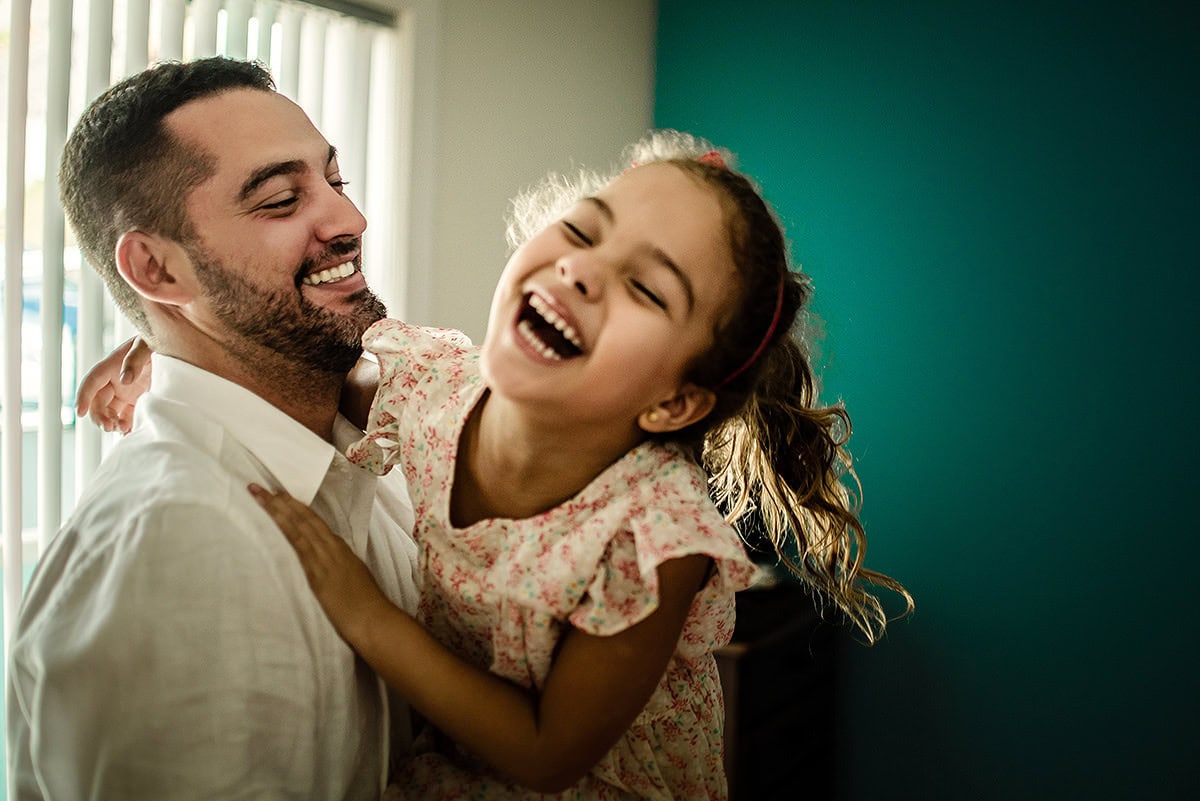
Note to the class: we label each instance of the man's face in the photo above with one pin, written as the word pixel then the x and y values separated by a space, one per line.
pixel 277 248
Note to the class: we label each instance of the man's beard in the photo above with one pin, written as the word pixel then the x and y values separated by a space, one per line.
pixel 287 322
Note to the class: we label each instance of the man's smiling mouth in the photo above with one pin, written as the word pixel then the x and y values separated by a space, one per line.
pixel 546 331
pixel 329 274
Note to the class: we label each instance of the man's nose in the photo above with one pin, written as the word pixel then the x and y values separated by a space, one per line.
pixel 338 217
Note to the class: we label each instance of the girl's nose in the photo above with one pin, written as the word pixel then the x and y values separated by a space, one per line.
pixel 581 272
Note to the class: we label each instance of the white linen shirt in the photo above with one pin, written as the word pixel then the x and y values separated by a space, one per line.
pixel 169 647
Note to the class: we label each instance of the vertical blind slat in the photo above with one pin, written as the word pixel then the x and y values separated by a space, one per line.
pixel 89 348
pixel 313 30
pixel 237 28
pixel 14 261
pixel 355 110
pixel 99 46
pixel 204 28
pixel 137 36
pixel 50 431
pixel 347 85
pixel 97 78
pixel 386 135
pixel 265 14
pixel 288 79
pixel 170 26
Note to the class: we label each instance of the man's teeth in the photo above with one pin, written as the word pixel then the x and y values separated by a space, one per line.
pixel 330 274
pixel 549 315
pixel 526 332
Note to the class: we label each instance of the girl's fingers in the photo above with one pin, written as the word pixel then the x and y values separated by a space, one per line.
pixel 277 505
pixel 104 372
pixel 137 359
pixel 307 533
pixel 124 419
pixel 96 407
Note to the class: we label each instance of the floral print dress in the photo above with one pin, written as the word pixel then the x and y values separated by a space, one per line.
pixel 501 593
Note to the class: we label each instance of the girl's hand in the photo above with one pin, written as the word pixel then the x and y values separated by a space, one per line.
pixel 110 390
pixel 341 581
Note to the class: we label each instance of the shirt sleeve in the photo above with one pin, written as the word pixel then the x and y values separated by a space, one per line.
pixel 155 672
pixel 624 589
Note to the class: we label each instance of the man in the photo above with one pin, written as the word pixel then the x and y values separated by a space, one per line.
pixel 168 646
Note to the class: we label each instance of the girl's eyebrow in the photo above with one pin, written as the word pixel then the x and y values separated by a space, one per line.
pixel 269 171
pixel 656 253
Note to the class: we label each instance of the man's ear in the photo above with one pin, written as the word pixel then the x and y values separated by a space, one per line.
pixel 689 405
pixel 150 264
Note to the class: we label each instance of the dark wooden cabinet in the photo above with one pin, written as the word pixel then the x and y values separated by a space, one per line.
pixel 778 675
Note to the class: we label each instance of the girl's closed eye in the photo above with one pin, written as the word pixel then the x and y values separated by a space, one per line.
pixel 576 233
pixel 648 293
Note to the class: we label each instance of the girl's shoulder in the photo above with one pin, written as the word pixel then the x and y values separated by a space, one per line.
pixel 659 478
pixel 668 512
pixel 396 336
pixel 656 508
pixel 427 377
pixel 419 363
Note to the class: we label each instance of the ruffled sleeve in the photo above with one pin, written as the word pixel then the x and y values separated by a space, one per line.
pixel 672 518
pixel 418 368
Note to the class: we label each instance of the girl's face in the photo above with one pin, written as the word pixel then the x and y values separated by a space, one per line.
pixel 597 318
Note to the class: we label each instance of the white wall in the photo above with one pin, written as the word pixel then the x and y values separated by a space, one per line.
pixel 506 90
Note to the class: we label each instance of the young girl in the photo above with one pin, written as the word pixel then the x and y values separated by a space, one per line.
pixel 577 575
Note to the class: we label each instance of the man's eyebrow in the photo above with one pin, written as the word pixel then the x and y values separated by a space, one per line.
pixel 269 171
pixel 658 254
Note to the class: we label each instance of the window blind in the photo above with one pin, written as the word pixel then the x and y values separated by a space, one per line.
pixel 335 59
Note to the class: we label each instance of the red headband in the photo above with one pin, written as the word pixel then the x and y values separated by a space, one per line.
pixel 711 158
pixel 766 337
pixel 715 159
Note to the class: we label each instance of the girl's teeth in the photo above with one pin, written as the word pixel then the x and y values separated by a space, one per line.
pixel 526 332
pixel 549 315
pixel 330 274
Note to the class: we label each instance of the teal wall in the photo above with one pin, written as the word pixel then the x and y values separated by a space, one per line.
pixel 999 205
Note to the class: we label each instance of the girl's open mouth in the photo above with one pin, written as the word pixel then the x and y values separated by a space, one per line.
pixel 546 331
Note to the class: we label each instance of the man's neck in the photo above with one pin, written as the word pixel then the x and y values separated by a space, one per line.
pixel 307 395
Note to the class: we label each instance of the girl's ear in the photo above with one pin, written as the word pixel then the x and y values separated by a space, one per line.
pixel 150 264
pixel 691 404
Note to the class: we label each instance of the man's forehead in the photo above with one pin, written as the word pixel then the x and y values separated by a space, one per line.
pixel 211 113
pixel 243 129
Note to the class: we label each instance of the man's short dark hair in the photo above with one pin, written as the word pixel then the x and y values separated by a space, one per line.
pixel 122 169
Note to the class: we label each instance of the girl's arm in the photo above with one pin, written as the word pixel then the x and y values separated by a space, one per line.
pixel 545 741
pixel 359 391
pixel 110 390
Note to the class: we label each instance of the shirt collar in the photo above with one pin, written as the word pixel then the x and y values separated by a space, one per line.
pixel 297 457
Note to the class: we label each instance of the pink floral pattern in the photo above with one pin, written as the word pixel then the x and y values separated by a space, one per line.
pixel 501 593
